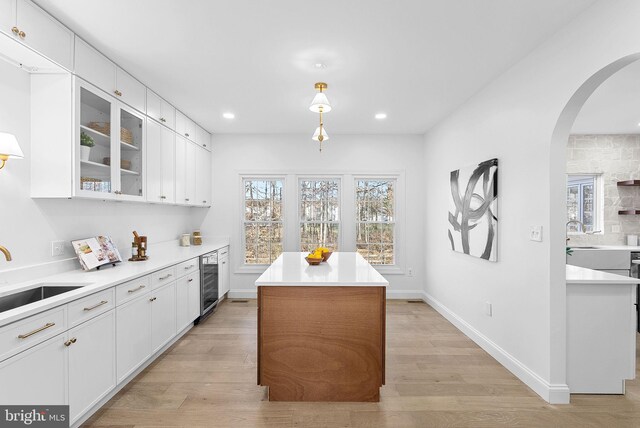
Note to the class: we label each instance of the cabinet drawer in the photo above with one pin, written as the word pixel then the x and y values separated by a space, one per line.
pixel 132 289
pixel 163 277
pixel 30 331
pixel 88 307
pixel 187 267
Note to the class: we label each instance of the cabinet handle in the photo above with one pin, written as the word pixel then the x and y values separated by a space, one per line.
pixel 90 308
pixel 22 34
pixel 162 278
pixel 163 197
pixel 15 30
pixel 189 267
pixel 152 299
pixel 186 199
pixel 162 119
pixel 73 340
pixel 186 134
pixel 118 93
pixel 204 202
pixel 190 280
pixel 37 330
pixel 136 289
pixel 70 341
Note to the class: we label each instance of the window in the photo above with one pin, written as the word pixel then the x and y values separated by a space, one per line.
pixel 263 220
pixel 582 203
pixel 319 213
pixel 375 220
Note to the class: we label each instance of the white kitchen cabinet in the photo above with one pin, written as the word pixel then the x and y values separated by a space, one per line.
pixel 41 373
pixel 94 67
pixel 160 163
pixel 160 110
pixel 185 171
pixel 203 138
pixel 92 362
pixel 187 299
pixel 163 315
pixel 185 126
pixel 133 332
pixel 27 23
pixel 203 177
pixel 224 273
pixel 129 90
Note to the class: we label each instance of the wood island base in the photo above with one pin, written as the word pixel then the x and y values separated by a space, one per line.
pixel 321 343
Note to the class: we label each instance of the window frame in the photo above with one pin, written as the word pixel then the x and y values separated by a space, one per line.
pixel 299 221
pixel 358 222
pixel 598 207
pixel 260 267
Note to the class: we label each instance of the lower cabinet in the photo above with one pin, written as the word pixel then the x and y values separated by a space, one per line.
pixel 92 362
pixel 41 371
pixel 224 274
pixel 133 334
pixel 187 299
pixel 163 315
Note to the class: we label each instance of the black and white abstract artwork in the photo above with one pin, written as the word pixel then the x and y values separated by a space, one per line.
pixel 473 213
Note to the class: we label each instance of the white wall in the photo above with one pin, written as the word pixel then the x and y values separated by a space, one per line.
pixel 236 154
pixel 515 119
pixel 28 226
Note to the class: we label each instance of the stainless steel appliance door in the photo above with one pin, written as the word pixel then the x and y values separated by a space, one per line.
pixel 209 281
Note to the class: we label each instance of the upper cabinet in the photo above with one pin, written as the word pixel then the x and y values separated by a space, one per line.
pixel 32 26
pixel 160 110
pixel 185 126
pixel 94 67
pixel 203 138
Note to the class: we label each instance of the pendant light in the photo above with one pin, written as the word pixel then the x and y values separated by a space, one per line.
pixel 320 104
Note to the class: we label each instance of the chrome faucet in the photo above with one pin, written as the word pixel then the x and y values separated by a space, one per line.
pixel 7 254
pixel 566 235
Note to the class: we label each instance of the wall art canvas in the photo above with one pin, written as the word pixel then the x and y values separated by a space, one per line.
pixel 473 212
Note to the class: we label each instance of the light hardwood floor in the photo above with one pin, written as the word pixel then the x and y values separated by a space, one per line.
pixel 436 377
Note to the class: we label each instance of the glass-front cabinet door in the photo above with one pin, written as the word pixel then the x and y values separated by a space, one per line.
pixel 110 147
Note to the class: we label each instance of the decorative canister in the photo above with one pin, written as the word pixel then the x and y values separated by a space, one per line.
pixel 185 240
pixel 197 238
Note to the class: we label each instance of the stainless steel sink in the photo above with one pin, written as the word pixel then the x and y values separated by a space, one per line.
pixel 32 295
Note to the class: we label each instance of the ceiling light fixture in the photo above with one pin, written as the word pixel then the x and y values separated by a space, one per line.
pixel 319 65
pixel 320 104
pixel 381 116
pixel 228 115
pixel 9 148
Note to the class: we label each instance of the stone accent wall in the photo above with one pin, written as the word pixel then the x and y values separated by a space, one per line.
pixel 617 158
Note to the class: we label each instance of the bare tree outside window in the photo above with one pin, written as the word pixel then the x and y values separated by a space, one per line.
pixel 263 220
pixel 319 214
pixel 375 220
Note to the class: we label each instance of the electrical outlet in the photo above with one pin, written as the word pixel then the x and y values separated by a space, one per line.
pixel 57 248
pixel 615 228
pixel 535 233
pixel 410 271
pixel 488 309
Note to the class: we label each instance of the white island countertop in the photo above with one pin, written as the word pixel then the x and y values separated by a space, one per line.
pixel 342 269
pixel 580 275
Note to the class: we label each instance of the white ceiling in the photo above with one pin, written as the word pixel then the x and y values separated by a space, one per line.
pixel 416 60
pixel 614 107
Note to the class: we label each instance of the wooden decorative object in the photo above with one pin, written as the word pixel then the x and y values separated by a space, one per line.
pixel 321 343
pixel 126 136
pixel 313 262
pixel 102 127
pixel 629 212
pixel 628 183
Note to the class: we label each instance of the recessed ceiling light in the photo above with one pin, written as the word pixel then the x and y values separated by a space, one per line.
pixel 381 116
pixel 228 115
pixel 319 65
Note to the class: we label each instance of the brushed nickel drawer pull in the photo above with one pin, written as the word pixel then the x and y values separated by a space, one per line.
pixel 133 290
pixel 104 302
pixel 38 330
pixel 162 278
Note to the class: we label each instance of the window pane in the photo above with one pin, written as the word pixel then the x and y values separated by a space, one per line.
pixel 319 214
pixel 375 216
pixel 313 235
pixel 582 203
pixel 263 220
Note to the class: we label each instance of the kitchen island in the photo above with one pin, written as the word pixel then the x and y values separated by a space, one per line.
pixel 321 329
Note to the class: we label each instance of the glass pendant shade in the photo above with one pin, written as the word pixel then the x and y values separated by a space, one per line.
pixel 316 134
pixel 320 103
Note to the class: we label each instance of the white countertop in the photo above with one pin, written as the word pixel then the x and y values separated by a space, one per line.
pixel 160 256
pixel 604 247
pixel 580 275
pixel 342 269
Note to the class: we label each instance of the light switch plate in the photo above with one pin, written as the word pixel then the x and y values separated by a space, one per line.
pixel 57 248
pixel 535 233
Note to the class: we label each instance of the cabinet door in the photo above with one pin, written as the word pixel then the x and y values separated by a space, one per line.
pixel 92 362
pixel 94 67
pixel 182 303
pixel 44 34
pixel 191 174
pixel 154 162
pixel 129 90
pixel 203 177
pixel 225 276
pixel 181 123
pixel 168 115
pixel 190 129
pixel 181 170
pixel 131 150
pixel 168 165
pixel 154 106
pixel 7 16
pixel 203 138
pixel 133 333
pixel 163 316
pixel 193 285
pixel 36 376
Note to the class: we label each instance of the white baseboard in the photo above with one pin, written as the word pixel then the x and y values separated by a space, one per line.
pixel 391 294
pixel 552 393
